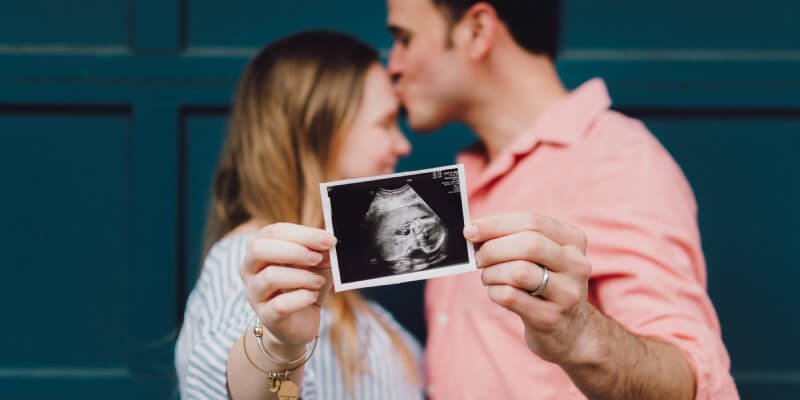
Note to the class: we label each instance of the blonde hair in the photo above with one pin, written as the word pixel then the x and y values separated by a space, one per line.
pixel 292 104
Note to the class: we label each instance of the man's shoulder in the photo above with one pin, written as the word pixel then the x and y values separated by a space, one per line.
pixel 619 136
pixel 623 147
pixel 615 128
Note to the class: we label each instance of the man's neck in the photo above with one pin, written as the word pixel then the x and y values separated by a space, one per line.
pixel 511 99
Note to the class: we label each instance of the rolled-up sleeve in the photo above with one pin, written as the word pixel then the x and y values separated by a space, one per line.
pixel 649 272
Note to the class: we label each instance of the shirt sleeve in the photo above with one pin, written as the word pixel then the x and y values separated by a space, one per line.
pixel 649 271
pixel 215 317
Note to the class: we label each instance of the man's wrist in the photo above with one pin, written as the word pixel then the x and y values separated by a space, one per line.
pixel 591 350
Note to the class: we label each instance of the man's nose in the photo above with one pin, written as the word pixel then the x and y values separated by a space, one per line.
pixel 394 66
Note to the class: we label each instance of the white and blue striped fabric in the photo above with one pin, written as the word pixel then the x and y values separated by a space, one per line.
pixel 217 312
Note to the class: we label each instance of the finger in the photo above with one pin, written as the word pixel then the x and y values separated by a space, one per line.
pixel 263 251
pixel 580 266
pixel 313 238
pixel 274 279
pixel 495 226
pixel 325 290
pixel 325 263
pixel 525 245
pixel 285 304
pixel 539 314
pixel 527 277
pixel 523 275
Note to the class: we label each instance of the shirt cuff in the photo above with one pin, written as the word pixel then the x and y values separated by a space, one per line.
pixel 707 358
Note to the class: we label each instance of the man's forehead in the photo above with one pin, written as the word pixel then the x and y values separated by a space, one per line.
pixel 404 12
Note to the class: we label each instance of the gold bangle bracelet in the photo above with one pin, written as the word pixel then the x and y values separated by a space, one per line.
pixel 277 381
pixel 258 331
pixel 288 368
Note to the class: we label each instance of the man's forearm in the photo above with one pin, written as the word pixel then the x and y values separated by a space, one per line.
pixel 617 364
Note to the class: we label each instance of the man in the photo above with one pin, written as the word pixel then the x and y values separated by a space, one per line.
pixel 622 316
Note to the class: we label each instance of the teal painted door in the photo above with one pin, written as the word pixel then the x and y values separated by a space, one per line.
pixel 112 112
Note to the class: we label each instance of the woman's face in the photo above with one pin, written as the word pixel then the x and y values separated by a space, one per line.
pixel 373 143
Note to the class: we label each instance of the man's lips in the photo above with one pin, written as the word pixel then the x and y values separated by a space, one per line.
pixel 400 93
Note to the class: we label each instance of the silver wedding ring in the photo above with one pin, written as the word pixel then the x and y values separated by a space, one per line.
pixel 543 285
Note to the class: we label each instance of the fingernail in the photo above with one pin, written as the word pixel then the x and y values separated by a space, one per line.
pixel 319 281
pixel 328 241
pixel 471 231
pixel 315 258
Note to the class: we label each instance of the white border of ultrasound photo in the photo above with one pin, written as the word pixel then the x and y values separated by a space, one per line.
pixel 406 277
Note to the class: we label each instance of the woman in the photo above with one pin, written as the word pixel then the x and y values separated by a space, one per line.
pixel 312 107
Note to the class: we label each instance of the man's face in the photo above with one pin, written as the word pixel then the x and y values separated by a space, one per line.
pixel 430 77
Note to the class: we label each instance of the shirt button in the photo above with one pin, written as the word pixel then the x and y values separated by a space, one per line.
pixel 442 318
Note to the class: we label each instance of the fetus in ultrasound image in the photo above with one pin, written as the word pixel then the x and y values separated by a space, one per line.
pixel 407 235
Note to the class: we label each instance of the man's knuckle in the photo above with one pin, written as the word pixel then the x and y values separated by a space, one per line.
pixel 507 296
pixel 520 273
pixel 533 221
pixel 548 320
pixel 571 296
pixel 497 294
pixel 530 242
pixel 585 267
pixel 485 277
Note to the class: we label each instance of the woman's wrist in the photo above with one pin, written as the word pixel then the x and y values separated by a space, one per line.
pixel 280 349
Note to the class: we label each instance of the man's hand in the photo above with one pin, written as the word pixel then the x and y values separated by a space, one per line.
pixel 514 250
pixel 602 358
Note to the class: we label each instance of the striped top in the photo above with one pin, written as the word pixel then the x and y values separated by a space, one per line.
pixel 218 311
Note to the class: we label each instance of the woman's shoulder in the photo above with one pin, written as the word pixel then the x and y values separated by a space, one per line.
pixel 231 247
pixel 224 256
pixel 222 249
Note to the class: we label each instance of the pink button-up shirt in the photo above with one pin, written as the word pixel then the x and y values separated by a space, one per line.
pixel 606 174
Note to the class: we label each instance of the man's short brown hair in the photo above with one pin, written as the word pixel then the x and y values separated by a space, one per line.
pixel 534 24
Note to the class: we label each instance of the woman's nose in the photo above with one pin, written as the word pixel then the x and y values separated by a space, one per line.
pixel 402 146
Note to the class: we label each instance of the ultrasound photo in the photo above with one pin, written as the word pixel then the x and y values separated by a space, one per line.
pixel 398 228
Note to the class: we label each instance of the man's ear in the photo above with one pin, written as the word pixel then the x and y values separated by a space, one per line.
pixel 478 30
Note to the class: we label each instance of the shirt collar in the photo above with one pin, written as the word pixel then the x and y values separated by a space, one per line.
pixel 563 123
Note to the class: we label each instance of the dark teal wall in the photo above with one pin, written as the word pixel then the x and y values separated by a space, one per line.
pixel 112 111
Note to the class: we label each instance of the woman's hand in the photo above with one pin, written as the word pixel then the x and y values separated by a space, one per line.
pixel 286 274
